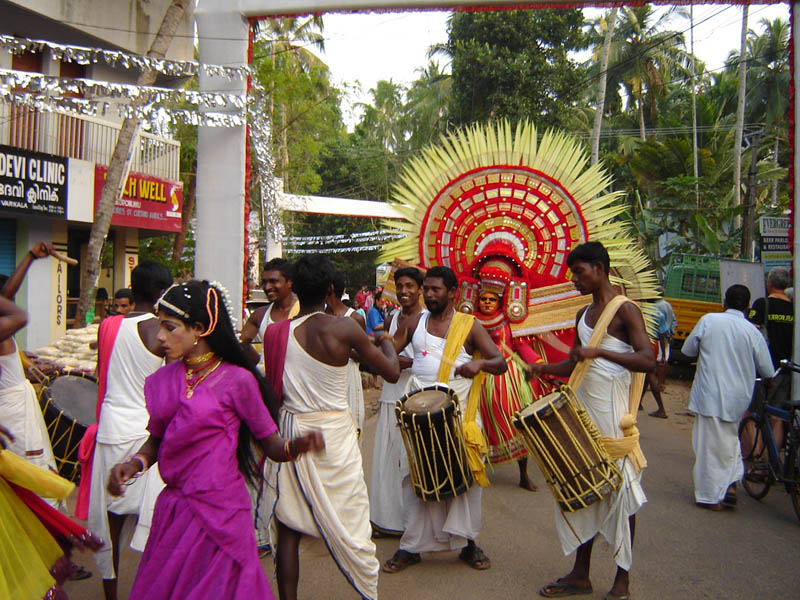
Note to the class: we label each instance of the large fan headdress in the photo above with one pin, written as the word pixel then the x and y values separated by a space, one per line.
pixel 487 198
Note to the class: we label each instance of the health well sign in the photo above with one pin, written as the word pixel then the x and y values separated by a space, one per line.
pixel 147 202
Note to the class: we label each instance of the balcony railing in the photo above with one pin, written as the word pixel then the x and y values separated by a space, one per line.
pixel 86 138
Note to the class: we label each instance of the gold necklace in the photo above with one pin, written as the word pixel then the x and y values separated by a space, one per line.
pixel 191 384
pixel 193 361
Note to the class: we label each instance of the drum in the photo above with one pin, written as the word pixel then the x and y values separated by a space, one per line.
pixel 68 402
pixel 566 445
pixel 430 423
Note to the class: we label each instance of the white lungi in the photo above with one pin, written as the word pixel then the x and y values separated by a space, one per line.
pixel 21 415
pixel 718 458
pixel 605 393
pixel 446 525
pixel 389 460
pixel 139 499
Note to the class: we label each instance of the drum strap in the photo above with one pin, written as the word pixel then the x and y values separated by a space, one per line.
pixel 460 327
pixel 628 445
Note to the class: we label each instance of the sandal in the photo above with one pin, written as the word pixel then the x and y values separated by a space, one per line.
pixel 561 588
pixel 401 560
pixel 475 558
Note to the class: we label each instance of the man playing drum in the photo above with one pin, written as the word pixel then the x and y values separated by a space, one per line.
pixel 130 354
pixel 605 393
pixel 453 523
pixel 386 496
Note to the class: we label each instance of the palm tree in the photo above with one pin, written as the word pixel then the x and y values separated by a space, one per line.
pixel 426 107
pixel 606 24
pixel 645 57
pixel 383 119
pixel 119 165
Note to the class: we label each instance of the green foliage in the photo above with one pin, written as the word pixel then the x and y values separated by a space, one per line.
pixel 514 65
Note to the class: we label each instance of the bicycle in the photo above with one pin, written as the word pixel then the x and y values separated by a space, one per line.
pixel 760 471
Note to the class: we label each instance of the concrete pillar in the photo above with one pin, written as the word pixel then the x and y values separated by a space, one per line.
pixel 126 257
pixel 223 39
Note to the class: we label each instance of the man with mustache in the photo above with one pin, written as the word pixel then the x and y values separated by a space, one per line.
pixel 453 523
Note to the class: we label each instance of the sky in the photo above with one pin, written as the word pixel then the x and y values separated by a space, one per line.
pixel 365 48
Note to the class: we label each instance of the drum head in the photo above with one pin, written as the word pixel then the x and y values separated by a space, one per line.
pixel 427 401
pixel 557 399
pixel 76 396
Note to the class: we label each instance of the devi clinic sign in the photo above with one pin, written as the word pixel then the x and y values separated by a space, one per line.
pixel 33 183
pixel 147 202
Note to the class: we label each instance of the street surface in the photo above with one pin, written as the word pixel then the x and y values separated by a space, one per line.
pixel 680 551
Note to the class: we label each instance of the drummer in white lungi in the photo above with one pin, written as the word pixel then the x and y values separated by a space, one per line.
pixel 134 354
pixel 19 409
pixel 454 523
pixel 605 393
pixel 388 455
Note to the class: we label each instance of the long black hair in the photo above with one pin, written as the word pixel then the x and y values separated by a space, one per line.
pixel 195 302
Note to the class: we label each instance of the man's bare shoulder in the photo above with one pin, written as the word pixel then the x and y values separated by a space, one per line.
pixel 148 330
pixel 258 315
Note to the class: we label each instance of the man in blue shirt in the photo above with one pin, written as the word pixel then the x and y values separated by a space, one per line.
pixel 375 315
pixel 730 351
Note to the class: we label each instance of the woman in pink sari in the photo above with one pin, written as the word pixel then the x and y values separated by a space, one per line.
pixel 206 410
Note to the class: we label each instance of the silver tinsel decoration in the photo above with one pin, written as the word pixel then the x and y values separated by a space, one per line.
pixel 84 55
pixel 264 164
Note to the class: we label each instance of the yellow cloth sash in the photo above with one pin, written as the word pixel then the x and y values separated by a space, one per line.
pixel 460 327
pixel 40 481
pixel 628 445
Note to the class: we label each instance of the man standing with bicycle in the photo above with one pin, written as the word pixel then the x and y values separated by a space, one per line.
pixel 730 350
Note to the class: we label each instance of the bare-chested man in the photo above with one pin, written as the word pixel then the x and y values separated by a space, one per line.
pixel 605 393
pixel 453 523
pixel 386 493
pixel 323 496
pixel 276 281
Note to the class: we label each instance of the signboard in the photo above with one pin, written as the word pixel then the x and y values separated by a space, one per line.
pixel 33 183
pixel 147 202
pixel 775 243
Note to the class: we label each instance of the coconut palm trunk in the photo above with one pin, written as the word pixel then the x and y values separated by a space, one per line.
pixel 737 149
pixel 601 92
pixel 119 165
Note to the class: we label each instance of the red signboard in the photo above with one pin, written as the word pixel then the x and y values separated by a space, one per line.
pixel 147 202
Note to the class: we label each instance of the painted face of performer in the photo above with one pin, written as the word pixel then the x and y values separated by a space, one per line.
pixel 437 296
pixel 275 285
pixel 586 277
pixel 489 303
pixel 407 292
pixel 177 338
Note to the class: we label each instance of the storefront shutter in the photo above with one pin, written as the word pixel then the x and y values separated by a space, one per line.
pixel 8 246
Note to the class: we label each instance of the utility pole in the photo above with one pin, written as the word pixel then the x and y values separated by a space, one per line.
pixel 749 208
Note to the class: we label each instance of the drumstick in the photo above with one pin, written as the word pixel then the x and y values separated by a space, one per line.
pixel 63 258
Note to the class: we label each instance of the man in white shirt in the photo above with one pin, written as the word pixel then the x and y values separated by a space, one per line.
pixel 730 351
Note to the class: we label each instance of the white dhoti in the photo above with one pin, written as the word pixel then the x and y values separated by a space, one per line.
pixel 389 462
pixel 718 458
pixel 21 415
pixel 323 495
pixel 606 396
pixel 355 395
pixel 139 499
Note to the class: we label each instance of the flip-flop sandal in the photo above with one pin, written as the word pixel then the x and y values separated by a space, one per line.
pixel 80 574
pixel 402 559
pixel 610 596
pixel 729 499
pixel 561 589
pixel 715 507
pixel 475 558
pixel 657 415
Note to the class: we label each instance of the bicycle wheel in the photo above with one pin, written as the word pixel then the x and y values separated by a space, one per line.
pixel 793 469
pixel 757 477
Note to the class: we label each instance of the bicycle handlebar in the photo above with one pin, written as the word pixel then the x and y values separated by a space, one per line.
pixel 791 366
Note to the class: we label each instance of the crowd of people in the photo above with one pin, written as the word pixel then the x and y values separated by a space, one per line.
pixel 208 453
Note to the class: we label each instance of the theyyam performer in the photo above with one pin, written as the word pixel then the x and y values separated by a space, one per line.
pixel 508 203
pixel 386 507
pixel 322 496
pixel 209 410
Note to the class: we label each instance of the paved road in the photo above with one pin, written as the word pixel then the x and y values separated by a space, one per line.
pixel 680 551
